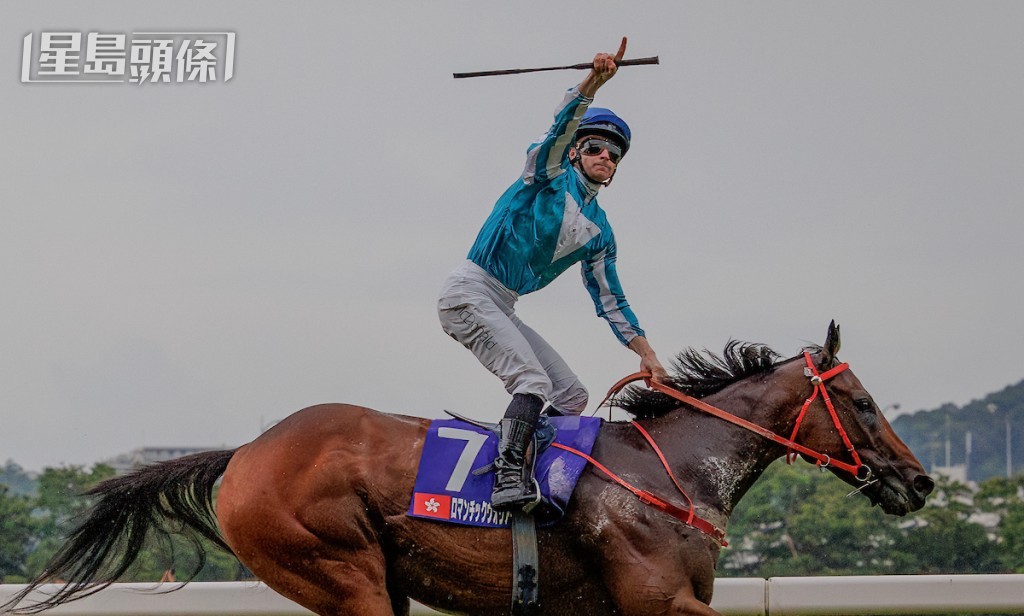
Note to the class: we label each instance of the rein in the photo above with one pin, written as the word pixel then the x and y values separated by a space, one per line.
pixel 858 470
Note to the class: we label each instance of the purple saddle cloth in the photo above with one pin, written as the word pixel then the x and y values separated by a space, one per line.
pixel 447 490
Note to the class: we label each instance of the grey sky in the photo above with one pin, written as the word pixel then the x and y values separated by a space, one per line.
pixel 180 265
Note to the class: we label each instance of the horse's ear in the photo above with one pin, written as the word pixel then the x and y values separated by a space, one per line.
pixel 831 348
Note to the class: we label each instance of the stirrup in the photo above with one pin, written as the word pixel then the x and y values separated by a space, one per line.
pixel 528 507
pixel 524 501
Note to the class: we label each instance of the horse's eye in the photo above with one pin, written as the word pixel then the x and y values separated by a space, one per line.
pixel 864 404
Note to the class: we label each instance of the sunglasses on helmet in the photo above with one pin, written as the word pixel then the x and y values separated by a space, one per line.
pixel 593 147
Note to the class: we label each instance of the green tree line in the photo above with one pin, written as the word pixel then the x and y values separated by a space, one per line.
pixel 797 521
pixel 983 435
pixel 35 517
pixel 794 521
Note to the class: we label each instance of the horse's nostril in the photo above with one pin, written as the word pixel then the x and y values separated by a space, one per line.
pixel 923 485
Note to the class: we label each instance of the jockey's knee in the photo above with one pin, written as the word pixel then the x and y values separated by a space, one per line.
pixel 529 382
pixel 573 401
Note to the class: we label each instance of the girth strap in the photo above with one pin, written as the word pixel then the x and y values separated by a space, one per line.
pixel 525 564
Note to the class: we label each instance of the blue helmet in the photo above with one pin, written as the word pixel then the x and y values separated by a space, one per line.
pixel 601 121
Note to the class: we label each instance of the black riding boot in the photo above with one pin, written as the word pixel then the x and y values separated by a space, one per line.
pixel 512 487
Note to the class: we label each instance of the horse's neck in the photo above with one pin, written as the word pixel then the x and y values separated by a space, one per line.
pixel 721 461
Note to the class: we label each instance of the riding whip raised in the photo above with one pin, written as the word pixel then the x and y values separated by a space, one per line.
pixel 580 66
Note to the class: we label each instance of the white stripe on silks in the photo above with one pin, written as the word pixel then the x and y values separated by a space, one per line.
pixel 621 324
pixel 609 303
pixel 530 170
pixel 554 163
pixel 576 229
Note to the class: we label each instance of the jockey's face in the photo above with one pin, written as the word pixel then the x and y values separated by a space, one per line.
pixel 599 167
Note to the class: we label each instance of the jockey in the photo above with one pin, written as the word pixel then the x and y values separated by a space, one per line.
pixel 547 221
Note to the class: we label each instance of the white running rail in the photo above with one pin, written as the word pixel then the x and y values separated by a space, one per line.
pixel 781 596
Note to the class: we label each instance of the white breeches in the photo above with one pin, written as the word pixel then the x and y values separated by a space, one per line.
pixel 479 312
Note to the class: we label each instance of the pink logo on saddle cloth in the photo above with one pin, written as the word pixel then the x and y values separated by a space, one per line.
pixel 432 505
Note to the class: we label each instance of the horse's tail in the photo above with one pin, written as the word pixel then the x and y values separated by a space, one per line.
pixel 113 533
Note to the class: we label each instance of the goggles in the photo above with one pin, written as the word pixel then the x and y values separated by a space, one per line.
pixel 593 147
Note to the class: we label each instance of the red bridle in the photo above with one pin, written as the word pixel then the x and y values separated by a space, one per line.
pixel 823 460
pixel 858 470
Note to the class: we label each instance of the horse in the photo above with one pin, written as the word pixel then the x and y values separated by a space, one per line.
pixel 316 506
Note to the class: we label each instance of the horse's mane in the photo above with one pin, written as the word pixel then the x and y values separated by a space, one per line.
pixel 700 374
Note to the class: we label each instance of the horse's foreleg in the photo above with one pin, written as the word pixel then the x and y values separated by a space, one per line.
pixel 644 579
pixel 648 601
pixel 688 605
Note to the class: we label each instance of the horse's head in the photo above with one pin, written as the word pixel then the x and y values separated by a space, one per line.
pixel 883 467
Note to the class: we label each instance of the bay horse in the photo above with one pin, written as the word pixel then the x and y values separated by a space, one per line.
pixel 316 506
